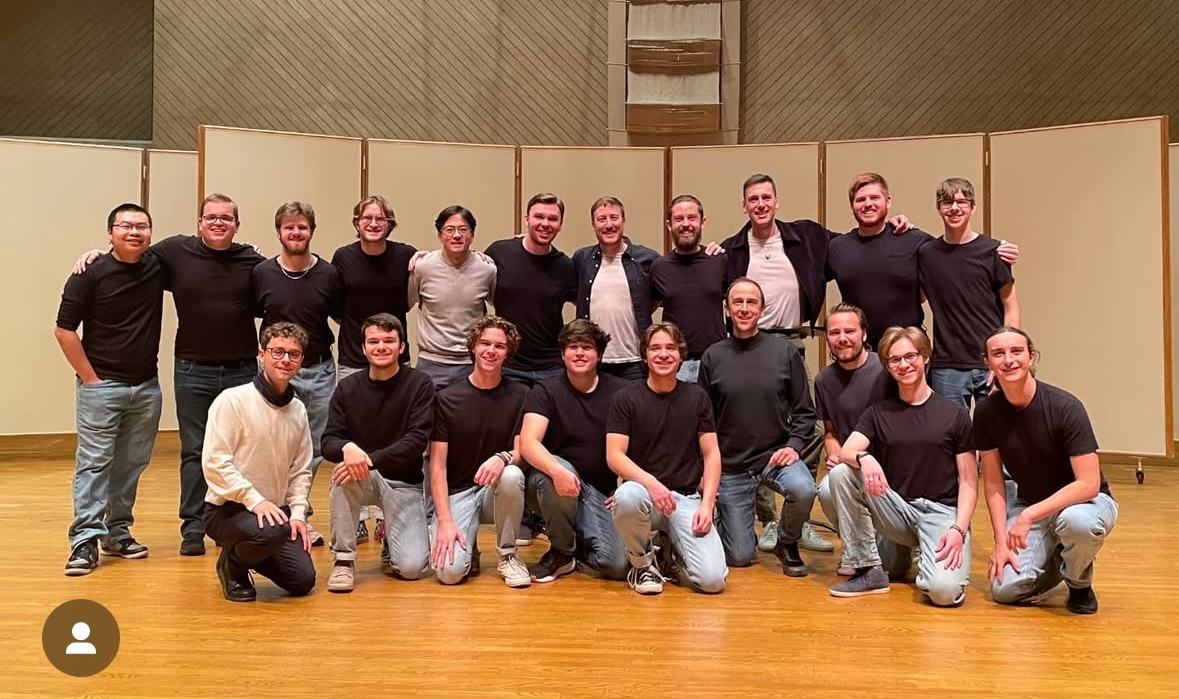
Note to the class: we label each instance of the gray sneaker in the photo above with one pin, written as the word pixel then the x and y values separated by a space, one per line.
pixel 811 540
pixel 866 581
pixel 769 537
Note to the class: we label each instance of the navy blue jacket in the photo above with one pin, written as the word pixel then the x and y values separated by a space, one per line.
pixel 805 243
pixel 636 262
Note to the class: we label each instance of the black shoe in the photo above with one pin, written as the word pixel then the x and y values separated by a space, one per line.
pixel 792 564
pixel 237 587
pixel 125 548
pixel 553 564
pixel 1081 600
pixel 83 559
pixel 193 546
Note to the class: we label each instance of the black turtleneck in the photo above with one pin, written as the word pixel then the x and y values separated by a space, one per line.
pixel 761 397
pixel 272 396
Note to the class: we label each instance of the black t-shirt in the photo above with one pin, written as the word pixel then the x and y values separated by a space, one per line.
pixel 309 301
pixel 372 284
pixel 878 273
pixel 692 289
pixel 962 283
pixel 842 396
pixel 476 424
pixel 664 431
pixel 1037 441
pixel 119 306
pixel 531 291
pixel 918 445
pixel 214 296
pixel 577 425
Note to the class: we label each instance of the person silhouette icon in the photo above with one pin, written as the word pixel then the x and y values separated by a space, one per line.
pixel 81 646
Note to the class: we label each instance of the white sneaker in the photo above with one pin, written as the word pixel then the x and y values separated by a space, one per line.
pixel 513 571
pixel 342 578
pixel 769 537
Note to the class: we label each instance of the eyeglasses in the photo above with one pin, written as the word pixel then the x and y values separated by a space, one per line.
pixel 960 203
pixel 224 218
pixel 451 230
pixel 279 353
pixel 372 219
pixel 908 358
pixel 128 227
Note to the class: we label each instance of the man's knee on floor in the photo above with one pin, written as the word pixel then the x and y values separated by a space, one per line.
pixel 946 593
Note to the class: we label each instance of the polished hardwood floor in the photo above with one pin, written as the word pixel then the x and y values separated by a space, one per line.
pixel 766 636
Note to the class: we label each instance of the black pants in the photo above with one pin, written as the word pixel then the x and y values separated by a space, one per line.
pixel 268 549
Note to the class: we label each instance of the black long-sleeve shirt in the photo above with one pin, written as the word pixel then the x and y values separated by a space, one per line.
pixel 761 397
pixel 390 420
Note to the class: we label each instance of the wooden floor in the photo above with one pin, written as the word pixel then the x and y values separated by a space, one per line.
pixel 766 636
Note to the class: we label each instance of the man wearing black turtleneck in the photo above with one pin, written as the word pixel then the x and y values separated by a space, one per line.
pixel 379 425
pixel 760 396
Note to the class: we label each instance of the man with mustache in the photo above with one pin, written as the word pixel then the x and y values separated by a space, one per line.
pixel 257 462
pixel 614 288
pixel 379 426
pixel 118 302
pixel 299 287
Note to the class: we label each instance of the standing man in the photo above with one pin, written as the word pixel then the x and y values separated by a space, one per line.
pixel 1055 528
pixel 257 461
pixel 451 288
pixel 379 425
pixel 118 301
pixel 534 281
pixel 760 395
pixel 971 292
pixel 300 287
pixel 661 439
pixel 908 472
pixel 691 284
pixel 564 439
pixel 614 288
pixel 475 457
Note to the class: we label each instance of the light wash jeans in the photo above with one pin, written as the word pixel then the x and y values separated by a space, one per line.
pixel 501 504
pixel 314 386
pixel 635 517
pixel 689 371
pixel 117 425
pixel 959 386
pixel 343 372
pixel 581 523
pixel 736 503
pixel 1060 547
pixel 917 523
pixel 443 375
pixel 406 532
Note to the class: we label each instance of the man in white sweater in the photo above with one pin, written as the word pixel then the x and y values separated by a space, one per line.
pixel 257 463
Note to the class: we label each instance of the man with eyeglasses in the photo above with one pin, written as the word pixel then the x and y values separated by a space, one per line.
pixel 971 292
pixel 257 461
pixel 299 287
pixel 451 288
pixel 118 301
pixel 211 280
pixel 908 472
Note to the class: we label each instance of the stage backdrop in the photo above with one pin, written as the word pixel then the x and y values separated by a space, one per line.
pixel 171 197
pixel 57 197
pixel 1089 202
pixel 714 175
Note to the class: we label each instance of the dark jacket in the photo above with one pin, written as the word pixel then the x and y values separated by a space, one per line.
pixel 636 262
pixel 805 243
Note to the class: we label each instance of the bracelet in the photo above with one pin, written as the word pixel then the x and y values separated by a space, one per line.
pixel 959 530
pixel 506 457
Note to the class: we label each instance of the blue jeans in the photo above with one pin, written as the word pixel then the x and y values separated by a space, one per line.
pixel 531 378
pixel 502 504
pixel 736 504
pixel 406 533
pixel 581 523
pixel 635 517
pixel 314 386
pixel 197 385
pixel 443 375
pixel 1060 547
pixel 689 371
pixel 959 386
pixel 117 425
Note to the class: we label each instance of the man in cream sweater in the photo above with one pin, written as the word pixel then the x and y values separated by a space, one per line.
pixel 257 462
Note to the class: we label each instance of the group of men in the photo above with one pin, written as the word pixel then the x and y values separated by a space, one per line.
pixel 645 447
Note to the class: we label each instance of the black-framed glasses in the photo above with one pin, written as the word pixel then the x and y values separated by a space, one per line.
pixel 128 227
pixel 910 358
pixel 279 353
pixel 223 218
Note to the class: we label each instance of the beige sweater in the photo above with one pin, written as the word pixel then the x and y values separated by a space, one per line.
pixel 254 451
pixel 450 299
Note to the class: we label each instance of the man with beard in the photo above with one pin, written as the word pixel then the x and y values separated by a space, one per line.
pixel 614 288
pixel 917 486
pixel 534 281
pixel 1055 528
pixel 299 287
pixel 257 461
pixel 451 288
pixel 761 398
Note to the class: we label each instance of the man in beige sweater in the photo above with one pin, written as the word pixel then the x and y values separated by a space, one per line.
pixel 257 463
